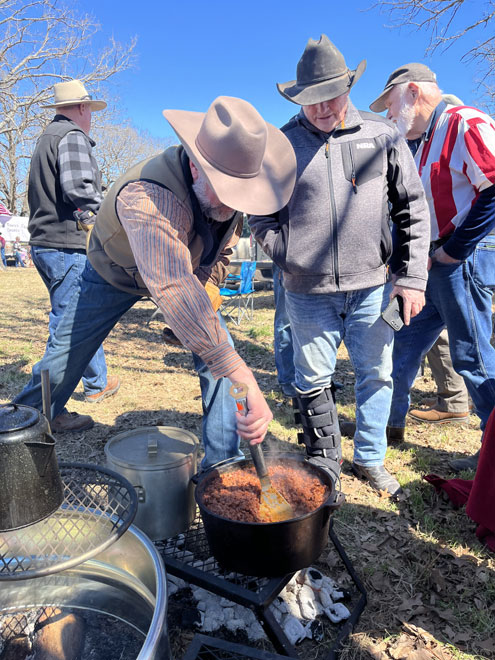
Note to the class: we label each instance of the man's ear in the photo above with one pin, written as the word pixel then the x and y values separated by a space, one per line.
pixel 194 171
pixel 413 90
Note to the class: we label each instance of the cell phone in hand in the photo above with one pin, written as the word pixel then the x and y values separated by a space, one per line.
pixel 394 314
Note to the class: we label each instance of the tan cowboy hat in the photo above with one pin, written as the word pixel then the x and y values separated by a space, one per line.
pixel 73 92
pixel 322 74
pixel 250 164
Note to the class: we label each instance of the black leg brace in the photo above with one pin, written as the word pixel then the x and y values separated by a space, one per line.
pixel 317 413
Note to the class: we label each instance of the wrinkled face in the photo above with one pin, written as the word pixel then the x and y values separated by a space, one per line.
pixel 329 114
pixel 401 110
pixel 211 206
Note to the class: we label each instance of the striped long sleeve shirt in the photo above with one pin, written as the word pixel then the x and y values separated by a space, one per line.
pixel 159 228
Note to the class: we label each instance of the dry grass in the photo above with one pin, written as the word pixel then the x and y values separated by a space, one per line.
pixel 430 583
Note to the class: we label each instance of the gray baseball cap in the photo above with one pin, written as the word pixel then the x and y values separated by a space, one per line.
pixel 413 72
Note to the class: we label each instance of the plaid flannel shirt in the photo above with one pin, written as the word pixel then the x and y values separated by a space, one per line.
pixel 79 175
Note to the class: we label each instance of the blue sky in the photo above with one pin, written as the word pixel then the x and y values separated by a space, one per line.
pixel 190 52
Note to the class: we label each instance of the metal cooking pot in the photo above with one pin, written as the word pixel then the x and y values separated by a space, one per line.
pixel 31 486
pixel 269 549
pixel 159 461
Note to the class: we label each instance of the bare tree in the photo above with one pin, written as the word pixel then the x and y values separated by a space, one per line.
pixel 42 42
pixel 448 21
pixel 119 146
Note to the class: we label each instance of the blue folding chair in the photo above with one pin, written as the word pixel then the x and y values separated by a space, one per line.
pixel 238 303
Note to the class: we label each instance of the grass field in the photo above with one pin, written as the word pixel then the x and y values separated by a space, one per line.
pixel 430 583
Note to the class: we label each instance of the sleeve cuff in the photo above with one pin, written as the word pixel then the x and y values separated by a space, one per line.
pixel 222 360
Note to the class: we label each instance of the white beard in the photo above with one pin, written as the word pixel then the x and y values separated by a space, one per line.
pixel 219 213
pixel 406 118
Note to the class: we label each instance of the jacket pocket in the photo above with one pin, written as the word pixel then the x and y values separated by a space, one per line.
pixel 362 161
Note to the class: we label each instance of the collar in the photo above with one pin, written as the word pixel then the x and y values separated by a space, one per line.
pixel 60 117
pixel 433 120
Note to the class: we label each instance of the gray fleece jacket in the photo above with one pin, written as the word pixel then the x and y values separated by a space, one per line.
pixel 334 234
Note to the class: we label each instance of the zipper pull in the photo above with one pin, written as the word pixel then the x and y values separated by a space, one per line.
pixel 353 181
pixel 326 149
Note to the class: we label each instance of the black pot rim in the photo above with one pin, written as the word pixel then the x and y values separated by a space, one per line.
pixel 240 464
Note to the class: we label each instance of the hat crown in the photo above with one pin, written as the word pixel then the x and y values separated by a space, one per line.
pixel 320 61
pixel 71 90
pixel 232 137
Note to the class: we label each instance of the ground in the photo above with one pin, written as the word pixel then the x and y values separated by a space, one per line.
pixel 430 582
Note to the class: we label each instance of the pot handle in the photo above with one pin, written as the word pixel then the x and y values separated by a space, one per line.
pixel 337 502
pixel 152 445
pixel 40 452
pixel 226 461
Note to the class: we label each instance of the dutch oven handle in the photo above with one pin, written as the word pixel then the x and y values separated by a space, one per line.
pixel 42 450
pixel 337 501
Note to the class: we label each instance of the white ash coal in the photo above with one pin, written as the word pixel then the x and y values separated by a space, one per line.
pixel 299 608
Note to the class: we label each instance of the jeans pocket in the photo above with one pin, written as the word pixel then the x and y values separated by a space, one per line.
pixel 484 263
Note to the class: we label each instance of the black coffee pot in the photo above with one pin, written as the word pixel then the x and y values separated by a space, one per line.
pixel 30 484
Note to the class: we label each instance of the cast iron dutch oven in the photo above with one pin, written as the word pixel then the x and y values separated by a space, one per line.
pixel 268 549
pixel 31 488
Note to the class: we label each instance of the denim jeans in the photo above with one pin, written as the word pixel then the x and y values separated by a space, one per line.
pixel 458 296
pixel 284 352
pixel 91 313
pixel 60 269
pixel 2 256
pixel 320 322
pixel 19 263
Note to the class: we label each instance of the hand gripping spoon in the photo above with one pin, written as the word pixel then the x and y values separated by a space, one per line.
pixel 273 506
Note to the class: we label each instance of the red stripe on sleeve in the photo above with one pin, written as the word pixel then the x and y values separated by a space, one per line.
pixel 478 150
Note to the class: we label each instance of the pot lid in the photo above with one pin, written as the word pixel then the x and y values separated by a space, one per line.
pixel 15 417
pixel 151 447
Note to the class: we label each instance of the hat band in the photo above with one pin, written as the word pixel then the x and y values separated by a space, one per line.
pixel 81 99
pixel 221 166
pixel 315 81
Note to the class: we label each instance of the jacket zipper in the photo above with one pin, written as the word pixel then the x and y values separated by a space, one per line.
pixel 333 216
pixel 353 170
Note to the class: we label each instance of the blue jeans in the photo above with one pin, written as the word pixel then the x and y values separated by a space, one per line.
pixel 60 269
pixel 19 263
pixel 2 256
pixel 91 313
pixel 284 352
pixel 320 322
pixel 458 296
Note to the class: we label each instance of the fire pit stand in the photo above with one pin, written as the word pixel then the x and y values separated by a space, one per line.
pixel 188 556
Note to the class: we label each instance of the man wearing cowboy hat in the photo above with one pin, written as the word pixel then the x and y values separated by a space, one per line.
pixel 454 148
pixel 333 243
pixel 166 230
pixel 64 180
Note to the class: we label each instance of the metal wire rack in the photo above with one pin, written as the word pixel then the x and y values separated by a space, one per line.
pixel 98 507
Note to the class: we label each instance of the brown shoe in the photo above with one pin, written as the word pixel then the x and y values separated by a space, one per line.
pixel 113 384
pixel 70 422
pixel 434 416
pixel 395 434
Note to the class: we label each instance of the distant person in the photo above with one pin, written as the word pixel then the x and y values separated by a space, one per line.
pixel 64 192
pixel 333 243
pixel 2 251
pixel 161 231
pixel 455 156
pixel 18 253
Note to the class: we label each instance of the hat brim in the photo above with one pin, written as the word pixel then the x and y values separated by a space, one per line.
pixel 378 104
pixel 95 105
pixel 322 91
pixel 265 193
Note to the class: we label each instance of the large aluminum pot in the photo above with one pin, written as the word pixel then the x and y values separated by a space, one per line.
pixel 159 461
pixel 126 581
pixel 269 549
pixel 31 488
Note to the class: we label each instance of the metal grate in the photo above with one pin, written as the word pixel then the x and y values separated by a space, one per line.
pixel 98 507
pixel 204 647
pixel 188 556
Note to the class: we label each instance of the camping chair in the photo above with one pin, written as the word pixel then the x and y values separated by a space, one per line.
pixel 239 303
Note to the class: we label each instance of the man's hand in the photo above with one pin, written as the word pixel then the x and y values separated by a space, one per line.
pixel 254 425
pixel 413 300
pixel 442 257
